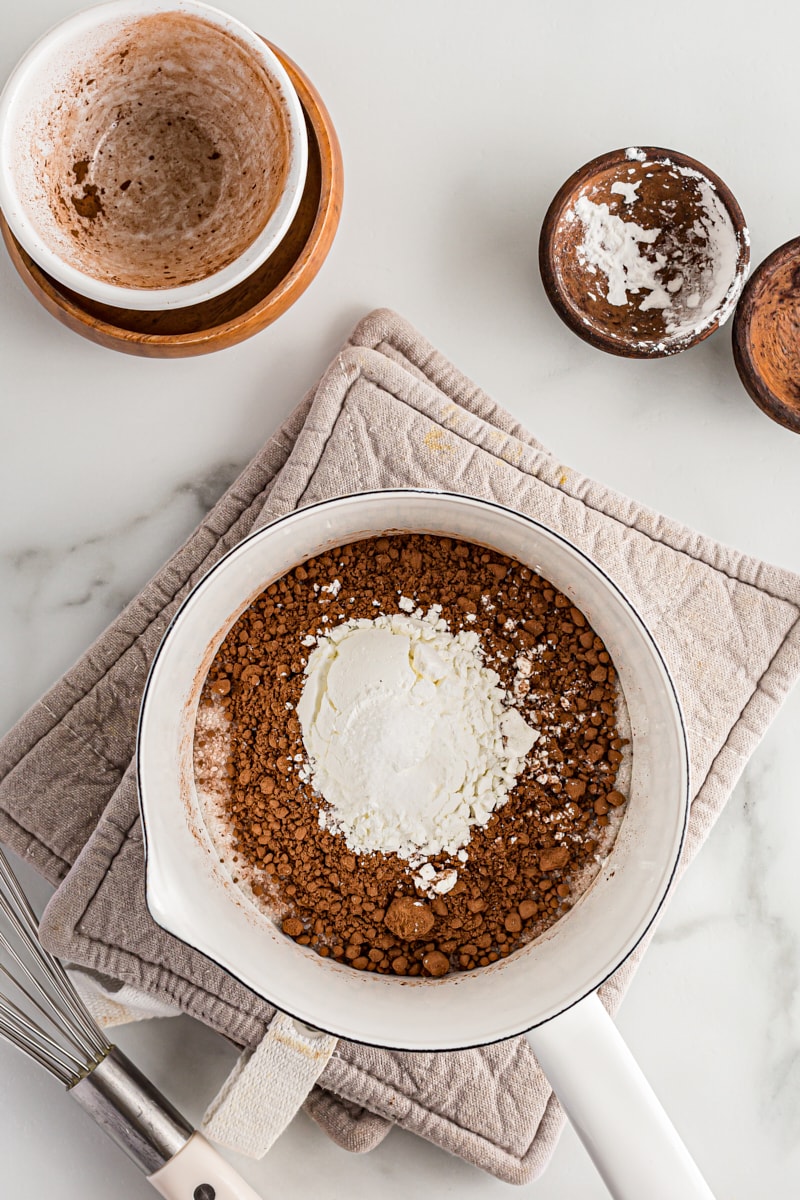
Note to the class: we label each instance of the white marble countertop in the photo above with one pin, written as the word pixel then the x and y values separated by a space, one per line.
pixel 458 120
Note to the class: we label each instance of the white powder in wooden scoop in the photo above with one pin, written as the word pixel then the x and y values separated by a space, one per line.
pixel 611 245
pixel 693 276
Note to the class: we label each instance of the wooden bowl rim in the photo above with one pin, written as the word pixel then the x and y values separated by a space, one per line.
pixel 555 293
pixel 253 319
pixel 753 381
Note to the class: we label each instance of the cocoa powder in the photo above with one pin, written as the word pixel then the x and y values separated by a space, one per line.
pixel 525 868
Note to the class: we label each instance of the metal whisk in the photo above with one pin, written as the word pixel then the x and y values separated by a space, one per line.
pixel 67 1041
pixel 42 1014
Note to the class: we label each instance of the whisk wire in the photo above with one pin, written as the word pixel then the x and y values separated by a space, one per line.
pixel 13 1021
pixel 14 1016
pixel 54 1066
pixel 96 1042
pixel 31 1000
pixel 45 985
pixel 55 1015
pixel 20 913
pixel 67 990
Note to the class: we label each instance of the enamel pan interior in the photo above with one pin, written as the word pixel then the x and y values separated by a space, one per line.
pixel 191 894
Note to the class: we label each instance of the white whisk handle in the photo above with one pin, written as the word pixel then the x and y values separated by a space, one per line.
pixel 198 1172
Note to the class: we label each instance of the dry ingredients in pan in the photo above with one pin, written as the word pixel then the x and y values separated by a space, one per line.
pixel 435 661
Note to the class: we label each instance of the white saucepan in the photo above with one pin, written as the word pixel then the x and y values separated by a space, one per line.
pixel 547 987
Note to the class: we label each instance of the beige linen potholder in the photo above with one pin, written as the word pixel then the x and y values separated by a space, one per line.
pixel 389 412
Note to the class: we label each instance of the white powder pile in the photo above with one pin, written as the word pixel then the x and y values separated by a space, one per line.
pixel 410 737
pixel 611 245
pixel 626 190
pixel 692 276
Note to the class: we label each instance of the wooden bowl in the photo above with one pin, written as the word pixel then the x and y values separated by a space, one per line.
pixel 644 252
pixel 766 336
pixel 245 309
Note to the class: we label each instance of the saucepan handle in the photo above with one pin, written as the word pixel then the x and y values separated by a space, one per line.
pixel 613 1109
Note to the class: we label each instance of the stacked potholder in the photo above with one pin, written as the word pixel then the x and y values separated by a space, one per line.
pixel 389 412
